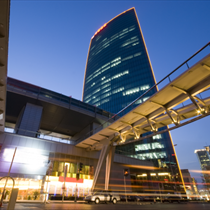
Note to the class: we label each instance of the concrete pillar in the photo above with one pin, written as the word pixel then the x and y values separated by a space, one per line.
pixel 29 120
pixel 109 161
pixel 104 151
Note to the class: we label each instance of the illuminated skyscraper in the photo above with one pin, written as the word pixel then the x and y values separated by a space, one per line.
pixel 204 158
pixel 118 70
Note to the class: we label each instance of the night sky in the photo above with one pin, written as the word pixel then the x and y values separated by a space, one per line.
pixel 49 41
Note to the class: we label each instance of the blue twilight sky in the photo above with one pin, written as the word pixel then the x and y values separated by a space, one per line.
pixel 49 40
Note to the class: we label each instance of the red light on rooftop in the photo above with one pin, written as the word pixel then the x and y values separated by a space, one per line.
pixel 102 27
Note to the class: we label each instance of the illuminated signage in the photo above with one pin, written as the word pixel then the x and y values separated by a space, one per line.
pixel 102 27
pixel 68 179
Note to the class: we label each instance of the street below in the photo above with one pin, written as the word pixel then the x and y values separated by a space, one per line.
pixel 121 206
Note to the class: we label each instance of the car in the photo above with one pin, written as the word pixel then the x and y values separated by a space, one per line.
pixel 172 199
pixel 103 197
pixel 134 198
pixel 148 198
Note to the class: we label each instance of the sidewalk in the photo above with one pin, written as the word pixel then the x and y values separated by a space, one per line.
pixel 49 201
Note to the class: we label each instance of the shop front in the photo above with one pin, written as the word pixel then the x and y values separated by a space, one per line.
pixel 56 186
pixel 29 189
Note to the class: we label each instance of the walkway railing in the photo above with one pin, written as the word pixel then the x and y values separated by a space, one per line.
pixel 40 135
pixel 51 96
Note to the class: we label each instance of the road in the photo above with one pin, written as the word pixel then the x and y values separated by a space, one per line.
pixel 72 206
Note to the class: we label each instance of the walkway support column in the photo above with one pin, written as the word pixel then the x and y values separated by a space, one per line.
pixel 109 161
pixel 103 155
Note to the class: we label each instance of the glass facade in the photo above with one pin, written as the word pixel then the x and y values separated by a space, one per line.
pixel 204 158
pixel 118 71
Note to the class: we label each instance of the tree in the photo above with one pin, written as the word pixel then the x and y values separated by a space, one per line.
pixel 36 194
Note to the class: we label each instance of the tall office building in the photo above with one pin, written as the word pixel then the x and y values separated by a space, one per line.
pixel 204 158
pixel 118 70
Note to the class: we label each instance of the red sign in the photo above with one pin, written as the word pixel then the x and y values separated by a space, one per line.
pixel 100 29
pixel 173 154
pixel 68 179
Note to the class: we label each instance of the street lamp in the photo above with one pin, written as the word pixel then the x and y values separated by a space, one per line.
pixel 125 174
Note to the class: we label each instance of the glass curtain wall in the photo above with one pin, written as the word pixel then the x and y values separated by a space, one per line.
pixel 118 70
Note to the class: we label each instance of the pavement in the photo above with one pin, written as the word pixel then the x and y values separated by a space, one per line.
pixel 120 206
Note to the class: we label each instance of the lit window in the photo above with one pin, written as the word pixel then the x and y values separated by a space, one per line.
pixel 94 101
pixel 104 101
pixel 137 54
pixel 138 102
pixel 131 28
pixel 9 130
pixel 107 85
pixel 106 90
pixel 105 81
pixel 87 101
pixel 153 155
pixel 96 91
pixel 124 31
pixel 98 104
pixel 135 43
pixel 118 90
pixel 106 95
pixel 120 74
pixel 130 41
pixel 88 96
pixel 92 47
pixel 93 84
pixel 116 59
pixel 115 64
pixel 106 69
pixel 97 38
pixel 158 136
pixel 144 99
pixel 157 145
pixel 105 65
pixel 145 87
pixel 127 58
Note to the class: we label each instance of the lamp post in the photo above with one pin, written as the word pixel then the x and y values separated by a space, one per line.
pixel 125 172
pixel 64 183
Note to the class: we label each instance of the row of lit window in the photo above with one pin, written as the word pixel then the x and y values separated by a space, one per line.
pixel 141 100
pixel 115 77
pixel 154 145
pixel 107 66
pixel 108 94
pixel 105 95
pixel 135 90
pixel 151 155
pixel 107 80
pixel 102 45
pixel 114 37
pixel 99 71
pixel 130 41
pixel 141 60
